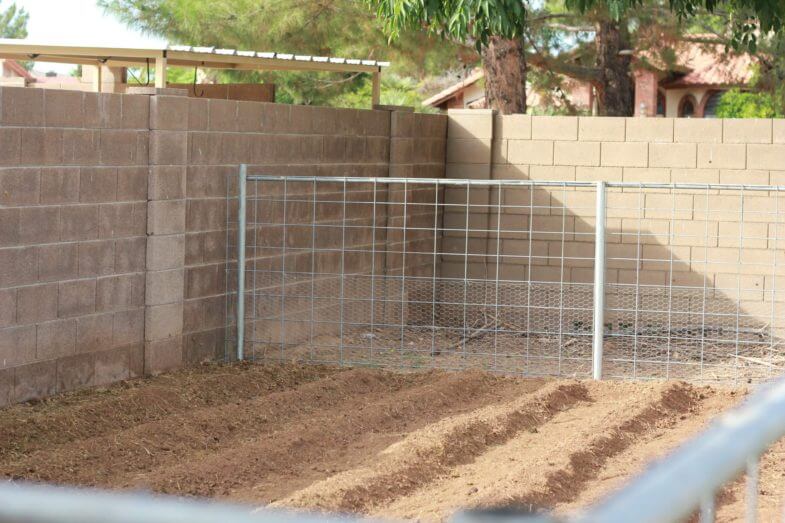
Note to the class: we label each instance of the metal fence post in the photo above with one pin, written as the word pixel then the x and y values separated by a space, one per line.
pixel 599 282
pixel 241 261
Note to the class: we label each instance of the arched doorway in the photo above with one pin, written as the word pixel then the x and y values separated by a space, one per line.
pixel 662 106
pixel 710 102
pixel 688 107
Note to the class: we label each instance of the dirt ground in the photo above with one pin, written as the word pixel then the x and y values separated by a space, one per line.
pixel 415 445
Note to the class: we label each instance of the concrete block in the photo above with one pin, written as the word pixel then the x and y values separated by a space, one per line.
pixel 576 153
pixel 779 131
pixel 112 366
pixel 135 112
pixel 402 123
pixel 55 339
pixel 81 147
pixel 473 171
pixel 207 280
pixel 135 360
pixel 165 252
pixel 651 130
pixel 512 127
pixel 205 215
pixel 37 380
pixel 530 152
pixel 57 262
pixel 163 355
pixel 722 156
pixel 197 114
pixel 41 146
pixel 6 386
pixel 167 182
pixel 123 147
pixel 169 113
pixel 59 185
pixel 96 258
pixel 499 151
pixel 169 147
pixel 601 128
pixel 164 287
pixel 132 183
pixel 9 227
pixel 97 184
pixel 624 154
pixel 63 108
pixel 39 224
pixel 17 345
pixel 695 175
pixel 222 115
pixel 554 128
pixel 10 146
pixel 401 149
pixel 697 130
pixel 19 186
pixel 94 333
pixel 747 130
pixel 79 222
pixel 559 173
pixel 163 321
pixel 76 298
pixel 118 220
pixel 120 292
pixel 18 266
pixel 766 157
pixel 128 327
pixel 593 174
pixel 7 308
pixel 166 217
pixel 22 106
pixel 36 303
pixel 75 372
pixel 130 255
pixel 470 125
pixel 103 110
pixel 672 155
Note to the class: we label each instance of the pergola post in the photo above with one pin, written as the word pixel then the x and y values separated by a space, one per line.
pixel 376 92
pixel 160 72
pixel 98 80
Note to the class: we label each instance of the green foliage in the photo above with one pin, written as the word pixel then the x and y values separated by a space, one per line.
pixel 741 104
pixel 13 22
pixel 396 90
pixel 460 20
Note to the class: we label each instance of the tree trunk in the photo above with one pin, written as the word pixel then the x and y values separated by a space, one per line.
pixel 615 87
pixel 504 62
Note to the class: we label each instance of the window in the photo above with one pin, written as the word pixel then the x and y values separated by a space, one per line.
pixel 660 104
pixel 710 110
pixel 687 107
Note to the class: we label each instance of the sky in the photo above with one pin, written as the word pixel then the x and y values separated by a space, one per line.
pixel 77 22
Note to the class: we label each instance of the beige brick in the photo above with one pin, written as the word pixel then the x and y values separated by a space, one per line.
pixel 499 152
pixel 469 151
pixel 766 157
pixel 624 154
pixel 554 128
pixel 165 252
pixel 698 130
pixel 163 321
pixel 779 130
pixel 513 127
pixel 470 125
pixel 744 177
pixel 601 128
pixel 94 333
pixel 163 355
pixel 576 153
pixel 749 130
pixel 649 130
pixel 55 339
pixel 474 171
pixel 750 235
pixel 510 172
pixel 559 173
pixel 166 217
pixel 76 298
pixel 695 175
pixel 36 303
pixel 722 156
pixel 670 206
pixel 530 152
pixel 164 287
pixel 593 174
pixel 672 155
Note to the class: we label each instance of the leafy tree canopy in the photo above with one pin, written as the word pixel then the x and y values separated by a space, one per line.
pixel 13 22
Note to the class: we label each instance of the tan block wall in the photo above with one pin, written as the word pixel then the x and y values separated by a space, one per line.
pixel 73 191
pixel 672 226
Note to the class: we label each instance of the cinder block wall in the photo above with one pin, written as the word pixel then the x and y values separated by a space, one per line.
pixel 113 221
pixel 73 213
pixel 482 145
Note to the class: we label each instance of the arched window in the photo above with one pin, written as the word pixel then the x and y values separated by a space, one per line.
pixel 661 104
pixel 687 106
pixel 710 107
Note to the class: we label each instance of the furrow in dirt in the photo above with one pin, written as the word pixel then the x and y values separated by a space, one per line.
pixel 93 412
pixel 564 485
pixel 506 472
pixel 431 452
pixel 106 459
pixel 651 446
pixel 305 450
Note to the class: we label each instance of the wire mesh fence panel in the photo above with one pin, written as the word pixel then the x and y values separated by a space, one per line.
pixel 499 275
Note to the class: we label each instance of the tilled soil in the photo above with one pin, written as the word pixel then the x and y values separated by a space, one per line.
pixel 416 445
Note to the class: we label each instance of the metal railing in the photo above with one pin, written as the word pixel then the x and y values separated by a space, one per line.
pixel 679 281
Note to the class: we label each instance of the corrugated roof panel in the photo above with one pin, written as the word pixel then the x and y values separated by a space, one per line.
pixel 265 55
pixel 207 50
pixel 321 59
pixel 227 52
pixel 302 57
pixel 282 56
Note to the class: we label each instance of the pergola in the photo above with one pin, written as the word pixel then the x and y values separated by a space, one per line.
pixel 187 56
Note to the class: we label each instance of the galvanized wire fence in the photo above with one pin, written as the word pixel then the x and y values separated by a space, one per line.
pixel 515 276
